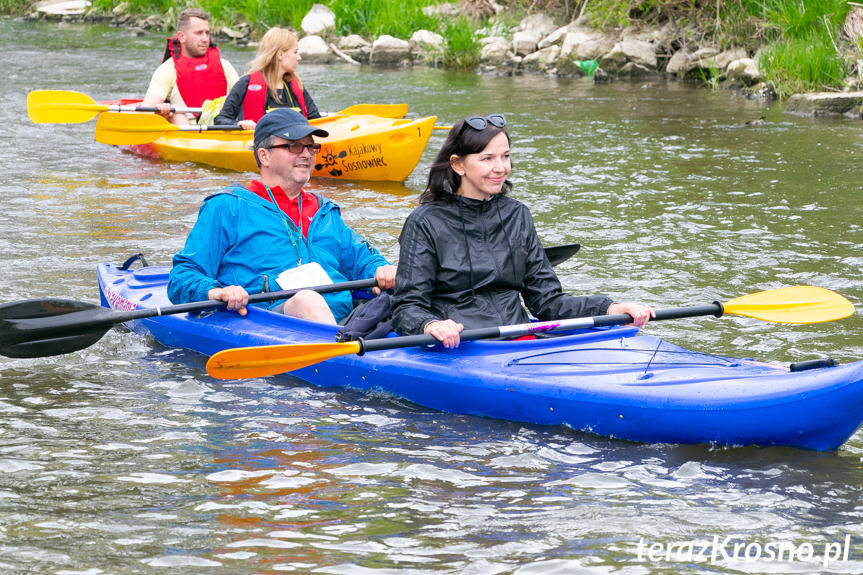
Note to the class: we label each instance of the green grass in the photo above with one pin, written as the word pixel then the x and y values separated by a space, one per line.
pixel 139 6
pixel 462 45
pixel 373 18
pixel 804 64
pixel 14 7
pixel 801 53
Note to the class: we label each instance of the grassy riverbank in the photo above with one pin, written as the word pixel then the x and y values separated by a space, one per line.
pixel 800 44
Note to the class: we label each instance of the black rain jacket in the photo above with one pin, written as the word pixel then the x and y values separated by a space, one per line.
pixel 469 260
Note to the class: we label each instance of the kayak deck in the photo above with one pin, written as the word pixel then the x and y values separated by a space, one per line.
pixel 608 381
pixel 359 147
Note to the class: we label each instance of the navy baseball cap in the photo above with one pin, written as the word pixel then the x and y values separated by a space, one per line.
pixel 285 123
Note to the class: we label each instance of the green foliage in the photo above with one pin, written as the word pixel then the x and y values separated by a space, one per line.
pixel 9 7
pixel 141 6
pixel 462 46
pixel 710 77
pixel 285 13
pixel 802 54
pixel 802 64
pixel 373 18
pixel 610 13
pixel 796 19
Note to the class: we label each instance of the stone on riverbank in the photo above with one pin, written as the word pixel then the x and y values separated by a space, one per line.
pixel 314 50
pixel 63 7
pixel 744 70
pixel 825 105
pixel 390 51
pixel 356 47
pixel 494 51
pixel 427 47
pixel 319 21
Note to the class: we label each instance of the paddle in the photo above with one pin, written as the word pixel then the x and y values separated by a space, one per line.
pixel 799 304
pixel 66 107
pixel 130 129
pixel 393 111
pixel 559 254
pixel 44 327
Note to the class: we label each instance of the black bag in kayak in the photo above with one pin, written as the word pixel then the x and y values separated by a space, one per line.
pixel 371 320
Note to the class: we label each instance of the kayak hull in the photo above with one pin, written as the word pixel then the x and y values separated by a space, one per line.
pixel 359 147
pixel 608 381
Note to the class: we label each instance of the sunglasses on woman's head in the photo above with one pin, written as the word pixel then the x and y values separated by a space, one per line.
pixel 482 122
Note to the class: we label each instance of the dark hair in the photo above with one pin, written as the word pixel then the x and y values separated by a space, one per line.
pixel 462 140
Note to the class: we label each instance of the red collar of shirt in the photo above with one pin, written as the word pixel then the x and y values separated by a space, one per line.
pixel 291 207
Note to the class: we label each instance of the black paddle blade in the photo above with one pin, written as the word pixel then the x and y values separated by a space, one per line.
pixel 559 254
pixel 44 327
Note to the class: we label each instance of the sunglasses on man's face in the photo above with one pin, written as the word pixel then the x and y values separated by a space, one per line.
pixel 482 122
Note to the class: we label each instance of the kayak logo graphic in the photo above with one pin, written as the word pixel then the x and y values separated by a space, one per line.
pixel 200 67
pixel 255 87
pixel 329 160
pixel 362 156
pixel 117 301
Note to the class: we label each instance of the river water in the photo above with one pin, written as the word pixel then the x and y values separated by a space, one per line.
pixel 127 458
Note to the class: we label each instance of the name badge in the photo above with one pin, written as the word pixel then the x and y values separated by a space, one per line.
pixel 302 276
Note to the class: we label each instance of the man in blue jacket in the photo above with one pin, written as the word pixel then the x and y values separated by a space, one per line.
pixel 273 235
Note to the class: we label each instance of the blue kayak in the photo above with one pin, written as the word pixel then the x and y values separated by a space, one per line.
pixel 608 381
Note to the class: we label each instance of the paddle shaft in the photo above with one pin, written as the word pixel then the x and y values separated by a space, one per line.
pixel 124 316
pixel 65 107
pixel 100 319
pixel 73 321
pixel 714 309
pixel 96 108
pixel 133 108
pixel 797 304
pixel 44 327
pixel 174 128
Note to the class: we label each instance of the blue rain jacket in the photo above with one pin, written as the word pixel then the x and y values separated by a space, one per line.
pixel 241 239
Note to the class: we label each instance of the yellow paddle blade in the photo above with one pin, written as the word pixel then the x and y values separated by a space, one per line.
pixel 120 129
pixel 61 107
pixel 796 304
pixel 263 361
pixel 381 110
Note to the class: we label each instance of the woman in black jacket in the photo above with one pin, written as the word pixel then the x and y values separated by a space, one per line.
pixel 469 255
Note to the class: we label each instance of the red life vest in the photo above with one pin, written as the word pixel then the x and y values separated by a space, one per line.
pixel 198 79
pixel 255 100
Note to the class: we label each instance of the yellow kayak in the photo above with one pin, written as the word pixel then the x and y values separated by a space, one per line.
pixel 359 147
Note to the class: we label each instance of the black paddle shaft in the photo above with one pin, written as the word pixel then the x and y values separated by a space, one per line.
pixel 714 309
pixel 45 327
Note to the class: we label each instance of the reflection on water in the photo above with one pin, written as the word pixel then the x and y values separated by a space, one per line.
pixel 125 457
